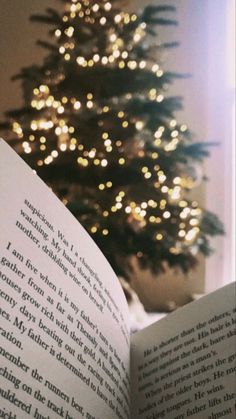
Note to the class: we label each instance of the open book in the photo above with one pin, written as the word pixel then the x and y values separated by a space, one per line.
pixel 65 347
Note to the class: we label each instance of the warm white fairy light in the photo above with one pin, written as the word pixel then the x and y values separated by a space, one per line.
pixel 104 162
pixel 137 37
pixel 54 153
pixel 175 193
pixel 107 143
pixel 73 9
pixel 166 214
pixel 16 127
pixel 160 98
pixel 139 125
pixel 89 104
pixel 125 124
pixel 121 64
pixel 63 147
pixel 132 64
pixel 104 60
pixel 191 234
pixel 77 105
pixel 177 180
pixel 62 50
pixel 107 6
pixel 80 60
pixel 124 55
pixel 69 31
pixel 58 131
pixel 82 161
pixel 95 7
pixel 185 213
pixel 159 73
pixel 92 153
pixel 161 176
pixel 60 109
pixel 42 124
pixel 113 37
pixel 126 18
pixel 194 222
pixel 154 156
pixel 173 123
pixel 183 204
pixel 175 133
pixel 103 20
pixel 155 68
pixel 171 146
pixel 183 128
pixel 26 147
pixel 142 64
pixel 164 189
pixel 117 18
pixel 128 209
pixel 57 33
pixel 115 54
pixel 96 58
pixel 195 212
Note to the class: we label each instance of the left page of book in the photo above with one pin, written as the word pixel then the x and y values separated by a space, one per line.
pixel 64 327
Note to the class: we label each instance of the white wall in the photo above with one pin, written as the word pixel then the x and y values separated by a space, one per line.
pixel 17 45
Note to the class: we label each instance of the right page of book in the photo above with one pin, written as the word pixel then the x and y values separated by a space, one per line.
pixel 184 365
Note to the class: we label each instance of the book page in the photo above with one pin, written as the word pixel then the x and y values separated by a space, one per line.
pixel 184 366
pixel 64 348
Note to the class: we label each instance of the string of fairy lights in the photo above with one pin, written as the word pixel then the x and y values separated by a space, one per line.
pixel 54 120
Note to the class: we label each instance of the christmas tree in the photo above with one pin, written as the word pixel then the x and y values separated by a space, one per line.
pixel 99 127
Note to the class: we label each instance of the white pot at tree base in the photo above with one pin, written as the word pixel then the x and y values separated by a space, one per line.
pixel 167 290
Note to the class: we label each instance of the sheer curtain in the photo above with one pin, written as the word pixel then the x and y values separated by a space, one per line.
pixel 220 191
pixel 206 33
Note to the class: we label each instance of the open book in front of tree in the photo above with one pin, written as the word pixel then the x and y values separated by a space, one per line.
pixel 66 350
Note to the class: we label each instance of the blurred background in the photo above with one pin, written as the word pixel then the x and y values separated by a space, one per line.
pixel 206 32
